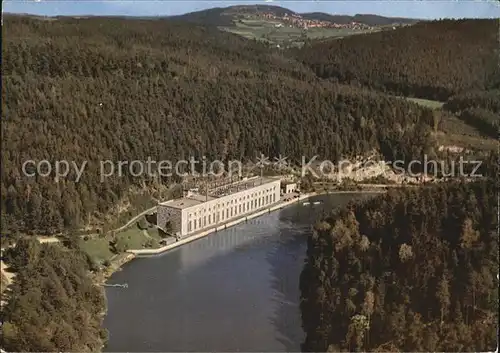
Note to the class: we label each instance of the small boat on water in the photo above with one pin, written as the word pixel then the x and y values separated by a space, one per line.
pixel 306 203
pixel 317 202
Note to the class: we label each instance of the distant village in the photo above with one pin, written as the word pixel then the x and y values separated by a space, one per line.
pixel 296 20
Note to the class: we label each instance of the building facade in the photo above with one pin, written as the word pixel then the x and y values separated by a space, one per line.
pixel 196 212
pixel 289 188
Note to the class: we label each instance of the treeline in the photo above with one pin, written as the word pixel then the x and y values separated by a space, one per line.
pixel 432 60
pixel 52 304
pixel 487 100
pixel 413 270
pixel 480 109
pixel 132 89
pixel 483 120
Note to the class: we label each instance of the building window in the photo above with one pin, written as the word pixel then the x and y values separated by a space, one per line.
pixel 227 213
pixel 199 223
pixel 189 226
pixel 274 197
pixel 204 221
pixel 239 209
pixel 209 218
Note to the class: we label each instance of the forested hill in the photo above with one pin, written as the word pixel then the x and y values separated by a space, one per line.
pixel 370 20
pixel 432 60
pixel 411 271
pixel 122 90
pixel 225 16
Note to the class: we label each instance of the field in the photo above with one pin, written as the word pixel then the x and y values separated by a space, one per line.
pixel 98 248
pixel 455 132
pixel 266 30
pixel 101 249
pixel 425 102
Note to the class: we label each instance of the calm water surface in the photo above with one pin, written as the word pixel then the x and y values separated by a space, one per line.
pixel 236 290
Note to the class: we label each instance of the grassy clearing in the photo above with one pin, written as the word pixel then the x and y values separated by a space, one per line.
pixel 454 125
pixel 267 31
pixel 98 249
pixel 154 233
pixel 101 249
pixel 456 132
pixel 427 103
pixel 468 142
pixel 314 33
pixel 424 102
pixel 138 239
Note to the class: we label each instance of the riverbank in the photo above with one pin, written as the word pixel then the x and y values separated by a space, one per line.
pixel 256 268
pixel 129 255
pixel 204 233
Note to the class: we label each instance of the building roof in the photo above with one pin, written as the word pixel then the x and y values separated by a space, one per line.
pixel 241 186
pixel 189 201
pixel 196 199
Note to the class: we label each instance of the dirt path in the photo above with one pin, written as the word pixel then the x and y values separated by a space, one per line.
pixel 146 234
pixel 152 209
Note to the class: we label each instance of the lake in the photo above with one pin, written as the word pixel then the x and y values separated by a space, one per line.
pixel 235 290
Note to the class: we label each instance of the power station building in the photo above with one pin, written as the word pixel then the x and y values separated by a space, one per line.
pixel 196 212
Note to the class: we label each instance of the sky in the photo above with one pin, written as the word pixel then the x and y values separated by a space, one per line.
pixel 421 9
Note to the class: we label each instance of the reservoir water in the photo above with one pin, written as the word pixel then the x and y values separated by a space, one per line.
pixel 235 290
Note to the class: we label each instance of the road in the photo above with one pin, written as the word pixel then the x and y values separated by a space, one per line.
pixel 10 275
pixel 152 209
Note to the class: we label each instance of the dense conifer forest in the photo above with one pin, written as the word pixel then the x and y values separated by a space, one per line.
pixel 413 270
pixel 480 109
pixel 52 305
pixel 432 60
pixel 115 89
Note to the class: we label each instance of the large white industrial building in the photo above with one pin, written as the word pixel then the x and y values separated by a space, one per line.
pixel 196 212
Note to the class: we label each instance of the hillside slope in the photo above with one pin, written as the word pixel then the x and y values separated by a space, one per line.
pixel 132 89
pixel 432 60
pixel 367 19
pixel 410 271
pixel 226 16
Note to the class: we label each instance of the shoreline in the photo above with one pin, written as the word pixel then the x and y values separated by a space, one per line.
pixel 134 253
pixel 116 266
pixel 204 233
